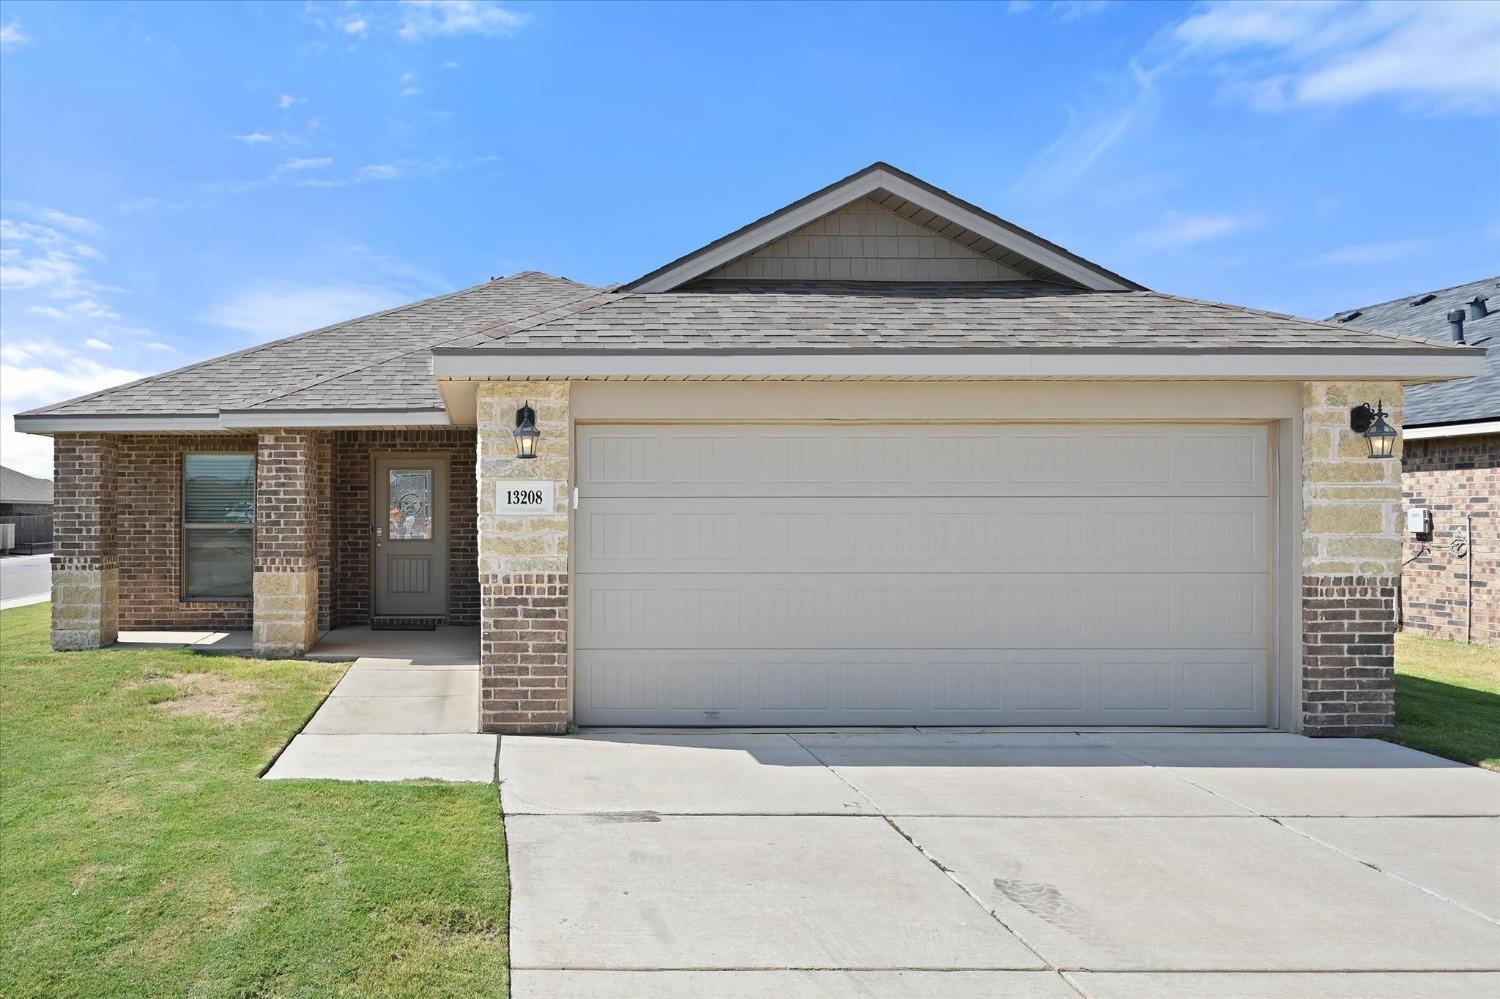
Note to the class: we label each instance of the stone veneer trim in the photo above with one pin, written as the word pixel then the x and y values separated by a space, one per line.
pixel 1351 561
pixel 523 565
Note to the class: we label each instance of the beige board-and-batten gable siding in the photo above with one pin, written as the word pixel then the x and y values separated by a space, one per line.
pixel 865 241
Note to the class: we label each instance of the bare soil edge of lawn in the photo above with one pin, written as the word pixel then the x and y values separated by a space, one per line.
pixel 144 856
pixel 1448 699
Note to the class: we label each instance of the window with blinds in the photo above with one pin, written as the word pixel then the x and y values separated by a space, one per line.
pixel 218 525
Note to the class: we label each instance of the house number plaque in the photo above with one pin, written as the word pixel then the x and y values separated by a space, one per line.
pixel 525 496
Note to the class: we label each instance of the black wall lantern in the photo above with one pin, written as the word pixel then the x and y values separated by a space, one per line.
pixel 1380 435
pixel 526 432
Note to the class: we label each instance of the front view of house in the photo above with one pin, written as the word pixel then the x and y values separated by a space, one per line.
pixel 878 458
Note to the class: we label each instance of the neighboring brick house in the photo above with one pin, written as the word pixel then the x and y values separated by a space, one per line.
pixel 879 457
pixel 1450 578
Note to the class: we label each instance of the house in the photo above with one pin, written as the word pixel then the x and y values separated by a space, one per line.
pixel 879 457
pixel 25 512
pixel 1450 472
pixel 23 495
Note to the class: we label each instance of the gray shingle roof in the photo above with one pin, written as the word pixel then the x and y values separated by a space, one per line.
pixel 376 362
pixel 1425 315
pixel 18 487
pixel 1009 315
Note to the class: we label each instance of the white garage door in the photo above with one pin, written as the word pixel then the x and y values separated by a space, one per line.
pixel 1091 574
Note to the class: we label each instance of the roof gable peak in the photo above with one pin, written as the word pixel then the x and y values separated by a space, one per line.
pixel 996 249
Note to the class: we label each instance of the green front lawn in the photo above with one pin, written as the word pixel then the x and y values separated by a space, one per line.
pixel 141 855
pixel 1448 699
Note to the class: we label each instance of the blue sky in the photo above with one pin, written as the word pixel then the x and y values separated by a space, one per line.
pixel 181 180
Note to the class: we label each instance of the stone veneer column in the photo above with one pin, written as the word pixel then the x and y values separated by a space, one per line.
pixel 1351 564
pixel 85 571
pixel 523 566
pixel 286 567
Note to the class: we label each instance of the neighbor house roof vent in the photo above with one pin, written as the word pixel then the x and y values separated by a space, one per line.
pixel 1423 300
pixel 1479 306
pixel 1456 325
pixel 1351 316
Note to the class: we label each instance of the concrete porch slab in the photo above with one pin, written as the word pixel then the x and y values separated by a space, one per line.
pixel 1199 894
pixel 468 757
pixel 1276 773
pixel 796 984
pixel 405 681
pixel 1006 774
pixel 739 892
pixel 691 773
pixel 395 715
pixel 235 642
pixel 1454 858
pixel 446 646
pixel 1345 985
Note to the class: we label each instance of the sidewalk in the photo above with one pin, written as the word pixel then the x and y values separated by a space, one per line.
pixel 390 720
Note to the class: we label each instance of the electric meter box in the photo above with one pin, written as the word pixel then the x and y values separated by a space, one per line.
pixel 1419 520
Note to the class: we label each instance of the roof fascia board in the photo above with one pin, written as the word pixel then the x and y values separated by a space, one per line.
pixel 856 187
pixel 1451 430
pixel 47 423
pixel 249 419
pixel 500 365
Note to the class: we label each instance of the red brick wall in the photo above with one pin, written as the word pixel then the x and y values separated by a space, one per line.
pixel 148 498
pixel 83 501
pixel 1458 479
pixel 354 454
pixel 524 650
pixel 1348 655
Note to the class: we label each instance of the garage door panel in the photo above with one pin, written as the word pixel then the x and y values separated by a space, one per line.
pixel 958 610
pixel 886 687
pixel 886 534
pixel 855 460
pixel 1039 574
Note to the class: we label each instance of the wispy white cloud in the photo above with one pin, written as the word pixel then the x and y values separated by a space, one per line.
pixel 1090 135
pixel 1076 10
pixel 287 101
pixel 356 26
pixel 1436 56
pixel 1370 254
pixel 97 344
pixel 11 36
pixel 1185 230
pixel 305 163
pixel 276 309
pixel 1062 10
pixel 36 371
pixel 253 138
pixel 422 19
pixel 151 203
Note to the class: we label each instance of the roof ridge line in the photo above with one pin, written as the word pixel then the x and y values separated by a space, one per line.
pixel 507 329
pixel 398 354
pixel 40 410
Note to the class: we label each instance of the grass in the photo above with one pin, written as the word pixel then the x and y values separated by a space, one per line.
pixel 1448 699
pixel 142 856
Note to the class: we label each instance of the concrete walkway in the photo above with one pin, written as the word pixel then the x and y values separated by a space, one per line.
pixel 391 719
pixel 1060 864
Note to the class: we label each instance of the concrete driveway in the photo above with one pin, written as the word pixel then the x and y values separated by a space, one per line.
pixel 916 863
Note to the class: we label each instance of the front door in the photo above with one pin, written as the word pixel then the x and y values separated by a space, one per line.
pixel 411 536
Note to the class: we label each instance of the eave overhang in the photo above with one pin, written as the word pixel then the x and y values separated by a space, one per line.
pixel 231 421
